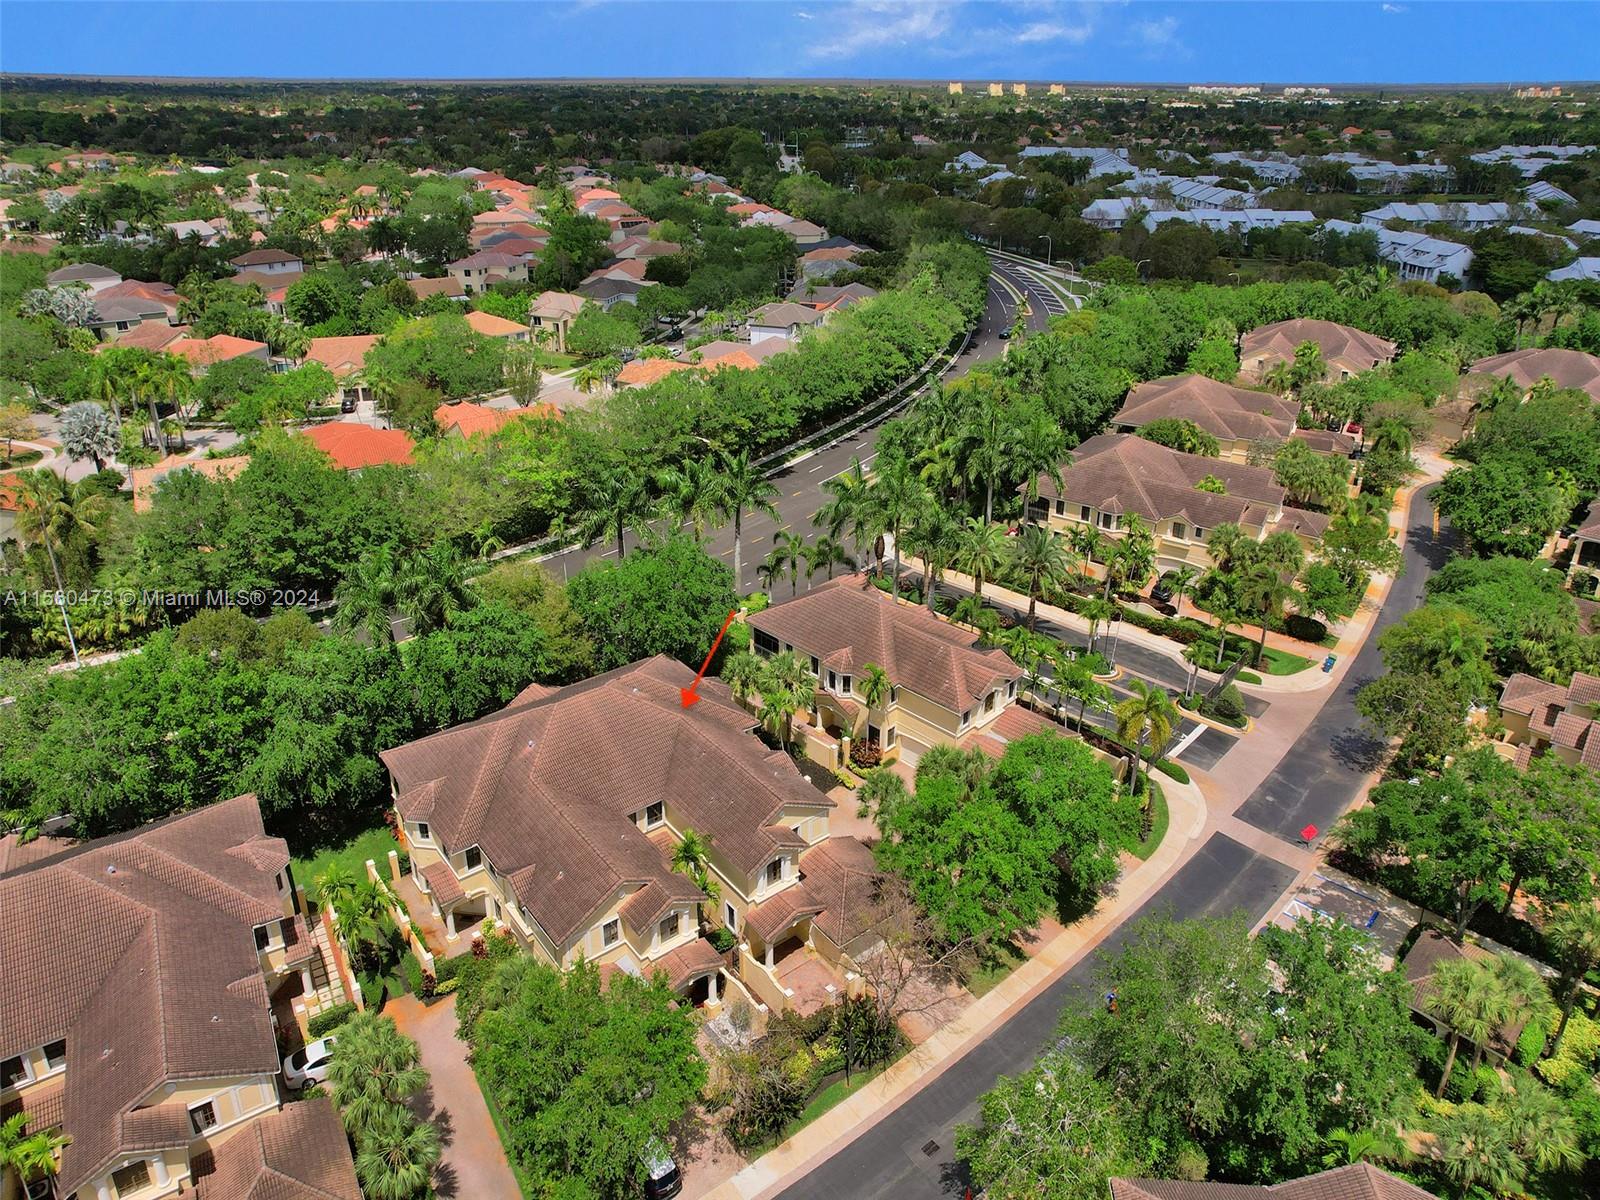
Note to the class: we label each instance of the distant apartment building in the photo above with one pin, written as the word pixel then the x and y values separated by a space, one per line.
pixel 956 88
pixel 997 89
pixel 1019 89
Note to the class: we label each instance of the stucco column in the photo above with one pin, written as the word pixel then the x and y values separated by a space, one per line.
pixel 158 1170
pixel 305 981
pixel 769 956
pixel 711 994
pixel 450 923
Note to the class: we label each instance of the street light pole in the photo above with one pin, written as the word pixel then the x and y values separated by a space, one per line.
pixel 1048 247
pixel 1116 634
pixel 1139 264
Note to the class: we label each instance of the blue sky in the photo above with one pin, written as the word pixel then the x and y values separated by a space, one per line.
pixel 1402 41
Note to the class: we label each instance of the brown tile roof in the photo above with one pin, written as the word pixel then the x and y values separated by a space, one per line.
pixel 423 288
pixel 352 446
pixel 687 962
pixel 1122 473
pixel 342 355
pixel 1221 410
pixel 848 623
pixel 759 352
pixel 784 314
pixel 474 419
pixel 1304 522
pixel 297 1153
pixel 1568 368
pixel 16 853
pixel 1339 343
pixel 556 305
pixel 1359 1182
pixel 163 983
pixel 547 788
pixel 642 372
pixel 492 326
pixel 1589 527
pixel 837 890
pixel 261 258
pixel 442 882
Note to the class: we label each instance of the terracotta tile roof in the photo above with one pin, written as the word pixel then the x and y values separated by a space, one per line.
pixel 1525 693
pixel 1015 722
pixel 827 296
pixel 273 285
pixel 759 352
pixel 556 305
pixel 1589 527
pixel 46 1107
pixel 848 623
pixel 837 890
pixel 1304 522
pixel 547 788
pixel 297 1153
pixel 627 268
pixel 261 258
pixel 342 355
pixel 16 853
pixel 1568 368
pixel 687 962
pixel 642 372
pixel 147 479
pixel 151 335
pixel 442 882
pixel 1339 343
pixel 162 984
pixel 474 419
pixel 1219 409
pixel 1359 1182
pixel 492 326
pixel 423 288
pixel 1122 473
pixel 353 446
pixel 206 352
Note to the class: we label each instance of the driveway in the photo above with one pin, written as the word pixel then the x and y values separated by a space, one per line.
pixel 474 1166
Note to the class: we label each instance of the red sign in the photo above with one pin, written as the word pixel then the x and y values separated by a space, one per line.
pixel 1309 832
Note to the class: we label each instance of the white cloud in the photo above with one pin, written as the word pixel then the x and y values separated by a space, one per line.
pixel 1160 34
pixel 1053 31
pixel 864 25
pixel 1394 8
pixel 802 15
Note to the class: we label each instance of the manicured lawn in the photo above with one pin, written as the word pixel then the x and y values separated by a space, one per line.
pixel 1159 819
pixel 1281 662
pixel 372 843
pixel 25 459
pixel 553 361
pixel 1001 961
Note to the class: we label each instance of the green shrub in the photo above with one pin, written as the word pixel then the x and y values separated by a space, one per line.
pixel 413 973
pixel 1173 770
pixel 1226 706
pixel 723 938
pixel 829 1054
pixel 328 1020
pixel 1306 629
pixel 1096 663
pixel 757 602
pixel 1575 1062
pixel 1530 1046
pixel 404 862
pixel 445 986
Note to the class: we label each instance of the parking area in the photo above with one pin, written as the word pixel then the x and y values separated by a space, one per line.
pixel 1337 896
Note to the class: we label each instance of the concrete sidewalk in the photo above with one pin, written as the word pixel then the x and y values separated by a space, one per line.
pixel 789 1161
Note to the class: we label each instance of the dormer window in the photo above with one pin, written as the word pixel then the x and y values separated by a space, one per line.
pixel 473 857
pixel 670 924
pixel 775 872
pixel 655 815
pixel 611 932
pixel 422 831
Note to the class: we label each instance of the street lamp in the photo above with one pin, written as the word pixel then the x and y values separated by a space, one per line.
pixel 1116 634
pixel 1233 275
pixel 1048 244
pixel 1139 264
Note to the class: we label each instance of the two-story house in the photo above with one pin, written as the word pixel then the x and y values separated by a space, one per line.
pixel 1346 351
pixel 1237 417
pixel 267 262
pixel 1564 368
pixel 1551 718
pixel 1114 475
pixel 480 271
pixel 944 689
pixel 557 818
pixel 135 1015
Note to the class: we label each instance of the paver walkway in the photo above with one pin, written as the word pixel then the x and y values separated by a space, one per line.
pixel 474 1166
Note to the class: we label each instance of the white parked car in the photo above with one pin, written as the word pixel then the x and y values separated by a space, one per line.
pixel 309 1064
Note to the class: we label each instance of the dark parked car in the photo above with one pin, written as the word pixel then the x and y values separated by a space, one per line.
pixel 662 1179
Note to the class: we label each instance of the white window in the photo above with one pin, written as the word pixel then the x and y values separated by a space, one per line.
pixel 730 917
pixel 1178 529
pixel 655 814
pixel 775 872
pixel 611 932
pixel 966 718
pixel 668 929
pixel 422 831
pixel 202 1117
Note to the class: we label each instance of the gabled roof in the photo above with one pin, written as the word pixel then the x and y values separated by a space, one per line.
pixel 205 352
pixel 296 1153
pixel 848 623
pixel 1422 963
pixel 556 305
pixel 447 286
pixel 1567 368
pixel 353 446
pixel 492 326
pixel 757 352
pixel 1563 714
pixel 1337 342
pixel 151 335
pixel 783 314
pixel 1123 473
pixel 342 355
pixel 838 885
pixel 642 372
pixel 1220 409
pixel 162 981
pixel 547 788
pixel 261 258
pixel 473 419
pixel 1362 1181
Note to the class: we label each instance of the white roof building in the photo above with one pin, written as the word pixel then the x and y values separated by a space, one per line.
pixel 1584 269
pixel 1416 255
pixel 1463 215
pixel 1223 220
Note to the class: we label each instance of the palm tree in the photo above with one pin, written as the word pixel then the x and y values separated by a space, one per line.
pixel 1226 619
pixel 1520 309
pixel 897 497
pixel 1357 1145
pixel 1263 593
pixel 1279 377
pixel 335 885
pixel 1039 556
pixel 874 684
pixel 32 1156
pixel 933 537
pixel 594 374
pixel 397 1156
pixel 1526 994
pixel 744 490
pixel 1476 1150
pixel 1542 1127
pixel 1133 558
pixel 849 507
pixel 617 500
pixel 365 922
pixel 1574 931
pixel 824 554
pixel 984 444
pixel 374 1067
pixel 692 857
pixel 1179 580
pixel 1466 997
pixel 741 672
pixel 431 588
pixel 980 551
pixel 1097 612
pixel 1086 542
pixel 689 494
pixel 787 554
pixel 365 598
pixel 1146 719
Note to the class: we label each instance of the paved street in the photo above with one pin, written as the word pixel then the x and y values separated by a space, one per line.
pixel 910 1152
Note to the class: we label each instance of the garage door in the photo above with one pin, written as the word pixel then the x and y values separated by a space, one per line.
pixel 911 751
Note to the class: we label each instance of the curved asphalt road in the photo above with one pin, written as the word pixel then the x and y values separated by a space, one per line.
pixel 910 1153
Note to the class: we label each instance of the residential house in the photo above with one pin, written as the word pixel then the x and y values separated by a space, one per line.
pixel 1434 948
pixel 1102 160
pixel 1585 269
pixel 645 248
pixel 150 335
pixel 274 286
pixel 1114 475
pixel 147 480
pixel 828 298
pixel 1346 351
pixel 498 327
pixel 346 359
pixel 1360 1181
pixel 143 1028
pixel 804 233
pixel 1224 220
pixel 1551 718
pixel 268 262
pixel 1585 545
pixel 1113 212
pixel 608 293
pixel 1275 169
pixel 129 304
pixel 551 314
pixel 1546 194
pixel 465 419
pixel 824 261
pixel 477 272
pixel 445 286
pixel 205 353
pixel 784 320
pixel 540 820
pixel 967 160
pixel 204 232
pixel 90 276
pixel 630 269
pixel 1587 228
pixel 624 219
pixel 1530 160
pixel 944 689
pixel 1564 368
pixel 1235 416
pixel 738 353
pixel 642 372
pixel 353 446
pixel 1416 256
pixel 1463 215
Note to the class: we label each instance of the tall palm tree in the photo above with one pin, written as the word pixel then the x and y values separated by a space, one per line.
pixel 1075 679
pixel 1086 542
pixel 785 557
pixel 431 587
pixel 1263 593
pixel 1476 1151
pixel 1146 719
pixel 1039 556
pixel 1279 377
pixel 1525 992
pixel 56 515
pixel 745 489
pixel 1574 931
pixel 396 1156
pixel 933 538
pixel 365 597
pixel 980 551
pixel 1466 997
pixel 689 494
pixel 985 441
pixel 897 498
pixel 373 1067
pixel 1133 558
pixel 1179 581
pixel 617 500
pixel 824 554
pixel 1097 612
pixel 692 857
pixel 365 922
pixel 849 508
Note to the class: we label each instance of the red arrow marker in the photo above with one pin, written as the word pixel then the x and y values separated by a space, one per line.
pixel 689 694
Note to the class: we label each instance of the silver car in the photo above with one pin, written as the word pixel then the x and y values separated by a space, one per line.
pixel 309 1064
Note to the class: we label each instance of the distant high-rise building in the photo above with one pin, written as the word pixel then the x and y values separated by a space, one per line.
pixel 997 89
pixel 1058 89
pixel 1539 93
pixel 956 88
pixel 1019 89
